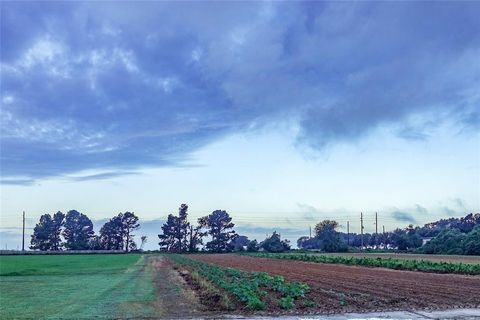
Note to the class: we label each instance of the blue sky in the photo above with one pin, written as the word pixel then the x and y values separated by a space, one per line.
pixel 282 113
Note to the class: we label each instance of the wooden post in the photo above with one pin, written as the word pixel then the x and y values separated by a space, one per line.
pixel 361 228
pixel 23 232
pixel 348 233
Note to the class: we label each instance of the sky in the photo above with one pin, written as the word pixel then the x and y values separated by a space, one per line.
pixel 282 113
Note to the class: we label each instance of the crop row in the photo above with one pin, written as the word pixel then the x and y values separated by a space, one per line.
pixel 250 288
pixel 391 263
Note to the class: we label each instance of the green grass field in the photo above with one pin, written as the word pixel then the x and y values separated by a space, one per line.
pixel 83 286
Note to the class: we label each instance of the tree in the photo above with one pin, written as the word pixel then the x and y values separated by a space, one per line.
pixel 220 227
pixel 168 240
pixel 95 243
pixel 111 234
pixel 176 232
pixel 472 241
pixel 129 224
pixel 56 232
pixel 78 231
pixel 253 246
pixel 240 242
pixel 308 243
pixel 447 242
pixel 406 239
pixel 328 239
pixel 41 234
pixel 47 233
pixel 195 236
pixel 275 244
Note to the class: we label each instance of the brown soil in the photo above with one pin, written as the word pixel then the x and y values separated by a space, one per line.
pixel 338 288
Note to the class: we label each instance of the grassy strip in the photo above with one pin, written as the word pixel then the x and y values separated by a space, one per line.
pixel 42 265
pixel 72 288
pixel 250 288
pixel 390 263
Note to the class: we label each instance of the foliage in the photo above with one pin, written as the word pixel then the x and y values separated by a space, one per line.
pixel 47 233
pixel 168 239
pixel 129 223
pixel 248 288
pixel 407 239
pixel 327 238
pixel 455 242
pixel 111 234
pixel 413 265
pixel 116 234
pixel 472 242
pixel 195 235
pixel 220 227
pixel 464 225
pixel 240 242
pixel 178 235
pixel 253 246
pixel 275 244
pixel 287 303
pixel 78 231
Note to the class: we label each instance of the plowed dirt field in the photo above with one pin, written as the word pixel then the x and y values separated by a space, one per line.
pixel 339 288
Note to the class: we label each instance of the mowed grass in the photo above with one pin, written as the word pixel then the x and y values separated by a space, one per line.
pixel 75 287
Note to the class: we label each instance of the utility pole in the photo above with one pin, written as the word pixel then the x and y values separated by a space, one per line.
pixel 310 227
pixel 348 233
pixel 23 233
pixel 376 224
pixel 383 229
pixel 361 227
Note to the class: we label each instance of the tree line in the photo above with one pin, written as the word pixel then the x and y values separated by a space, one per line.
pixel 77 232
pixel 446 236
pixel 179 235
pixel 74 231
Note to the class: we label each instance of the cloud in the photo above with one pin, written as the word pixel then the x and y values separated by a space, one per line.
pixel 421 210
pixel 102 86
pixel 104 176
pixel 309 212
pixel 403 217
pixel 459 202
pixel 17 182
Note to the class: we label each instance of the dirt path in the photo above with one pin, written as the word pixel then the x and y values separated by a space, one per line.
pixel 174 298
pixel 339 288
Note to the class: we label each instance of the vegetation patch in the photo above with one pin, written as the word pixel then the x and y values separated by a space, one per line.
pixel 209 295
pixel 250 289
pixel 398 264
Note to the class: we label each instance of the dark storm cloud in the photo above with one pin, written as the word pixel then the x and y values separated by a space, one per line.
pixel 117 87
